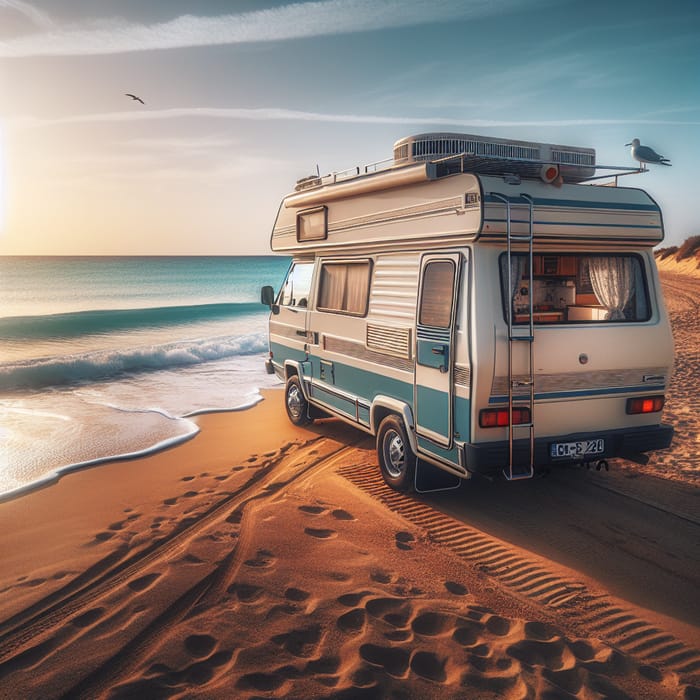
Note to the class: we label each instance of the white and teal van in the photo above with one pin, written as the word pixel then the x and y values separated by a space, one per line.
pixel 476 307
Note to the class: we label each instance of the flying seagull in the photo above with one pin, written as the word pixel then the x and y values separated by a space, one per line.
pixel 134 97
pixel 644 154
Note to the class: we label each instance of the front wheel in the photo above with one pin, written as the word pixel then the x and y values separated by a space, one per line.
pixel 295 402
pixel 396 458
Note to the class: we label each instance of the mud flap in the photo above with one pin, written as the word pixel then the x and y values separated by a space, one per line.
pixel 430 479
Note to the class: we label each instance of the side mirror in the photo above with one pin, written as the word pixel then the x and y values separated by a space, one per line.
pixel 267 296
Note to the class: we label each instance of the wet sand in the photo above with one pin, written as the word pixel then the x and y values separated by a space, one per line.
pixel 259 560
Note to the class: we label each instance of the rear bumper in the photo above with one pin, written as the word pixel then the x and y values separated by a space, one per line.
pixel 491 457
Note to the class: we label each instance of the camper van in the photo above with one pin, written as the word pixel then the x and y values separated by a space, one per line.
pixel 479 305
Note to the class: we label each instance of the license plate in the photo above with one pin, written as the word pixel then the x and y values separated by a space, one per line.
pixel 580 448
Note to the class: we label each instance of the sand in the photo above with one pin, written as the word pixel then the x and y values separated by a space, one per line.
pixel 260 560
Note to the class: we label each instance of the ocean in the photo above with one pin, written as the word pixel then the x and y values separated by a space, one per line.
pixel 103 357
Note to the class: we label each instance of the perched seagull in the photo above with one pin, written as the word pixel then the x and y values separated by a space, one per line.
pixel 134 97
pixel 644 154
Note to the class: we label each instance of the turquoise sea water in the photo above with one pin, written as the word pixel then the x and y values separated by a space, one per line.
pixel 101 357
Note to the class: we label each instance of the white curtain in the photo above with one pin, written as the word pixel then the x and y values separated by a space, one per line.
pixel 344 287
pixel 517 267
pixel 612 279
pixel 356 288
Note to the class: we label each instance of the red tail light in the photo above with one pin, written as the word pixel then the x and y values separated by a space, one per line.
pixel 498 417
pixel 645 404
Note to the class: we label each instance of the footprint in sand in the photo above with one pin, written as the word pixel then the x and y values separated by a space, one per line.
pixel 396 611
pixel 246 592
pixel 144 582
pixel 381 576
pixel 302 643
pixel 170 501
pixel 320 533
pixel 393 660
pixel 200 645
pixel 456 588
pixel 187 478
pixel 340 514
pixel 352 600
pixel 429 665
pixel 312 510
pixel 353 621
pixel 296 594
pixel 263 682
pixel 402 540
pixel 262 560
pixel 89 618
pixel 104 536
pixel 468 635
pixel 117 526
pixel 500 626
pixel 432 624
pixel 548 654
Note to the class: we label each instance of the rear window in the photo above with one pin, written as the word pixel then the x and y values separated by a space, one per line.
pixel 577 288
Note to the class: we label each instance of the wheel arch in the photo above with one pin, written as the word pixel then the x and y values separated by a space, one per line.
pixel 383 406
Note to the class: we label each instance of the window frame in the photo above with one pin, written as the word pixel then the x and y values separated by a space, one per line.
pixel 343 312
pixel 295 264
pixel 308 213
pixel 577 254
pixel 419 316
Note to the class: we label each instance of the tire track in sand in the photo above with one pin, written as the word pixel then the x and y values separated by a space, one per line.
pixel 561 595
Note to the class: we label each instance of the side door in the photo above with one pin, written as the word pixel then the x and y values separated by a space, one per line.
pixel 435 342
pixel 289 318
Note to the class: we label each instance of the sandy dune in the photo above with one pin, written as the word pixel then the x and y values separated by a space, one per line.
pixel 263 561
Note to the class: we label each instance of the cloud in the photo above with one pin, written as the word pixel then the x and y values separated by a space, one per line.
pixel 294 21
pixel 282 114
pixel 37 17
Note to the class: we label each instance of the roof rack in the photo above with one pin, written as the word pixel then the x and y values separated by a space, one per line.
pixel 462 153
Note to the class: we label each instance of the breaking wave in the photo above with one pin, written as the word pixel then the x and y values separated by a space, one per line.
pixel 78 323
pixel 105 364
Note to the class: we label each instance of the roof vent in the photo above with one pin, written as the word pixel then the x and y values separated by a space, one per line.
pixel 491 156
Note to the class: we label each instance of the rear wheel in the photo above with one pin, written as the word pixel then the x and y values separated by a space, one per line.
pixel 295 402
pixel 396 458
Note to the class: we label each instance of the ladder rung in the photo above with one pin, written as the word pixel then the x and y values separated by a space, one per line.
pixel 528 338
pixel 521 237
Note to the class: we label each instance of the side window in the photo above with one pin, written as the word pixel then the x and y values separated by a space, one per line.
pixel 437 295
pixel 344 287
pixel 297 286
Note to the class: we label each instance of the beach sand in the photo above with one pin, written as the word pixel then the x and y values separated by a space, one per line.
pixel 260 560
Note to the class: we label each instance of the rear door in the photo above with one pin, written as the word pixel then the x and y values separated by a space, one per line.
pixel 435 341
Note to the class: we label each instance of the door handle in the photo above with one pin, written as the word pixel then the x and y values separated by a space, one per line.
pixel 438 350
pixel 302 333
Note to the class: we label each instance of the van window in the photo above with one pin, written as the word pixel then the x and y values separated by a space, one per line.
pixel 344 287
pixel 437 294
pixel 297 286
pixel 576 288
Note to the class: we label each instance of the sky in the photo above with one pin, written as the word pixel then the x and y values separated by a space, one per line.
pixel 243 98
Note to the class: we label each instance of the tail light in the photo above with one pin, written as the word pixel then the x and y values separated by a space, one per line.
pixel 498 417
pixel 645 404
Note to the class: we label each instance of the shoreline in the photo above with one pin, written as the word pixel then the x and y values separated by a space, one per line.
pixel 55 475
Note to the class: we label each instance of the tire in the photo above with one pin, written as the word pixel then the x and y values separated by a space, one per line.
pixel 295 402
pixel 396 458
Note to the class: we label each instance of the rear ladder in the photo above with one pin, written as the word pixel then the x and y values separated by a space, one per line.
pixel 519 335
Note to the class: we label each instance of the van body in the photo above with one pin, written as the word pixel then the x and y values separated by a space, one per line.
pixel 475 306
